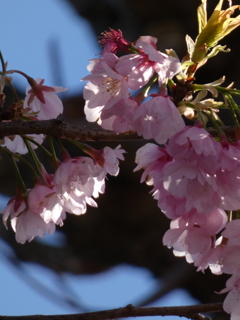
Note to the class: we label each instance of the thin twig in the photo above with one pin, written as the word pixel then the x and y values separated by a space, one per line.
pixel 60 129
pixel 190 312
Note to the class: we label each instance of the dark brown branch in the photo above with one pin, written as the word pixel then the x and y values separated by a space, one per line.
pixel 191 312
pixel 60 129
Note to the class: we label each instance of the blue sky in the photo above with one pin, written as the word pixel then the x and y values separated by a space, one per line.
pixel 29 31
pixel 33 29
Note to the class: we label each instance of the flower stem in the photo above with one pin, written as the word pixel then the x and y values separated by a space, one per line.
pixel 20 182
pixel 48 154
pixel 53 156
pixel 14 92
pixel 234 109
pixel 2 63
pixel 35 159
pixel 14 155
pixel 148 86
pixel 220 133
pixel 80 145
pixel 85 148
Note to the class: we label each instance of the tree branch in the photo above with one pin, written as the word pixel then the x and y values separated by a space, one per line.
pixel 190 312
pixel 60 129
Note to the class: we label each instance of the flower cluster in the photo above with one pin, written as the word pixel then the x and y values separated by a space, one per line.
pixel 196 181
pixel 113 79
pixel 70 189
pixel 195 178
pixel 40 103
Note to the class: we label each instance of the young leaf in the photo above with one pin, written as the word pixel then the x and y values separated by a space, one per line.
pixel 202 15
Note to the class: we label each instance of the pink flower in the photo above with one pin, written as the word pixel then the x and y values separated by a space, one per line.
pixel 202 174
pixel 76 181
pixel 228 177
pixel 211 259
pixel 203 171
pixel 231 252
pixel 183 179
pixel 183 184
pixel 232 232
pixel 158 118
pixel 119 117
pixel 231 258
pixel 105 87
pixel 43 100
pixel 151 158
pixel 43 200
pixel 193 234
pixel 13 208
pixel 25 223
pixel 231 303
pixel 97 65
pixel 28 225
pixel 16 144
pixel 107 158
pixel 171 206
pixel 231 265
pixel 139 68
pixel 192 175
pixel 195 143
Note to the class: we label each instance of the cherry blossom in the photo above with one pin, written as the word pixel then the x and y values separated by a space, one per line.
pixel 170 205
pixel 192 142
pixel 107 158
pixel 25 223
pixel 228 177
pixel 43 100
pixel 231 303
pixel 193 234
pixel 192 174
pixel 105 87
pixel 119 117
pixel 194 177
pixel 158 118
pixel 231 252
pixel 211 259
pixel 76 181
pixel 44 201
pixel 151 158
pixel 16 144
pixel 188 181
pixel 232 232
pixel 211 169
pixel 28 225
pixel 139 68
pixel 98 64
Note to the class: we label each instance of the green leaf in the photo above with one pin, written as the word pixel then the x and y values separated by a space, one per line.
pixel 217 49
pixel 190 45
pixel 202 15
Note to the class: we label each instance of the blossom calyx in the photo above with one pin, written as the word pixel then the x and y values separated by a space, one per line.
pixel 107 158
pixel 37 90
pixel 113 41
